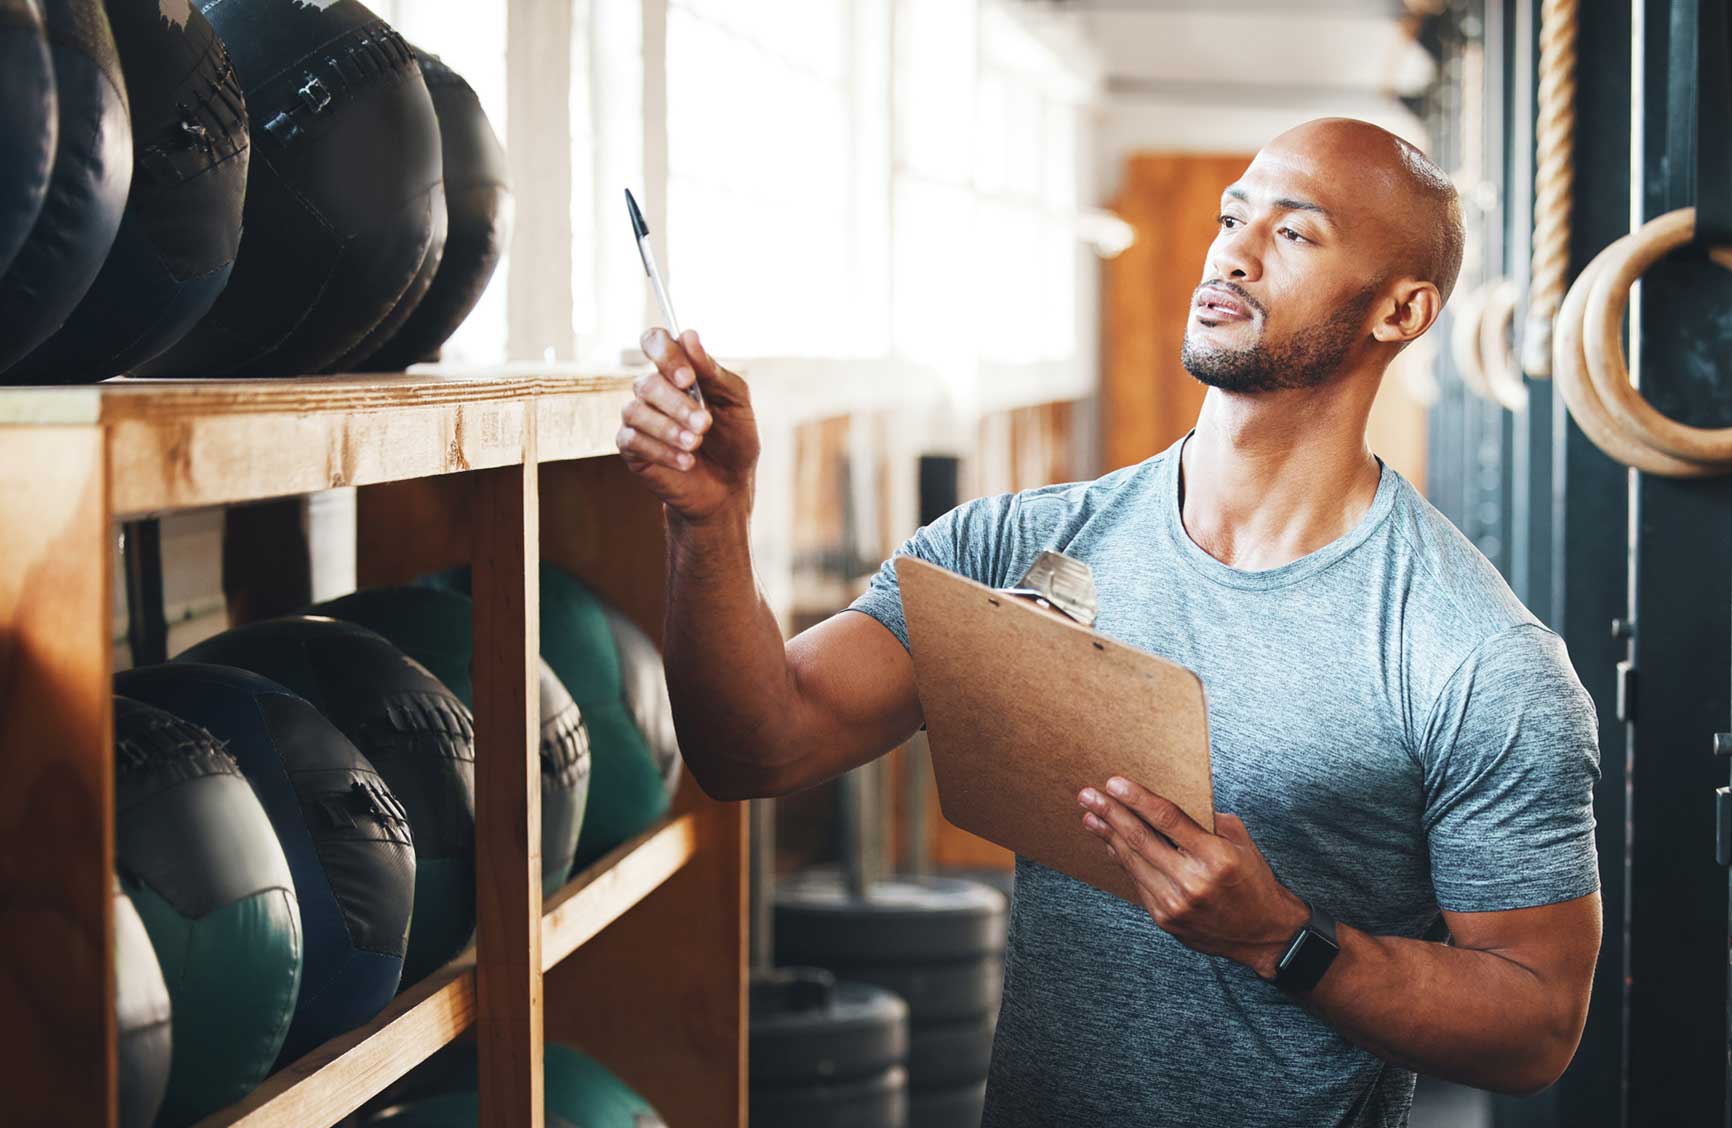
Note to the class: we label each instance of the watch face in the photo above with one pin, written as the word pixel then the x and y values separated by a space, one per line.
pixel 1306 961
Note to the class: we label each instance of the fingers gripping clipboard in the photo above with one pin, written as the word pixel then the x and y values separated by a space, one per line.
pixel 1024 708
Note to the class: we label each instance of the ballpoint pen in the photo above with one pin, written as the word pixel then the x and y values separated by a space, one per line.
pixel 640 229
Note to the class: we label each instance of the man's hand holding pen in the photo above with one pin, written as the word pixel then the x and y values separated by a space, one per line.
pixel 698 460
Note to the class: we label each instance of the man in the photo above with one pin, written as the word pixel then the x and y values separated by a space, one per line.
pixel 1397 743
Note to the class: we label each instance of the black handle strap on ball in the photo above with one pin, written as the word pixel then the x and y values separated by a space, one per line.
pixel 289 102
pixel 1699 110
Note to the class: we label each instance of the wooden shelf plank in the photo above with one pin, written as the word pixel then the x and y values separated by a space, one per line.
pixel 338 1077
pixel 332 1081
pixel 183 443
pixel 602 893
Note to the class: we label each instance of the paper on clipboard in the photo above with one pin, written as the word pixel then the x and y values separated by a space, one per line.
pixel 1025 708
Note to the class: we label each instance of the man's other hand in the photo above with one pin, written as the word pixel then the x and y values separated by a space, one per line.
pixel 1214 893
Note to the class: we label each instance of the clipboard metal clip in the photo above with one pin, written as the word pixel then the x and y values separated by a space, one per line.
pixel 1060 583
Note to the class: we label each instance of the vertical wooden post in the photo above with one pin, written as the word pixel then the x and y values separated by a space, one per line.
pixel 507 592
pixel 57 809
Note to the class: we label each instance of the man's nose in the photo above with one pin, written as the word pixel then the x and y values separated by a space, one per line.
pixel 1235 258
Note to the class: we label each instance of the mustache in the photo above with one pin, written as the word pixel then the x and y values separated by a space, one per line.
pixel 1233 288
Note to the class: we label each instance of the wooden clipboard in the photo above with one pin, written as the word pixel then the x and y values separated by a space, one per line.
pixel 1024 708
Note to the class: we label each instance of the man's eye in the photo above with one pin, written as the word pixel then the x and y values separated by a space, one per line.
pixel 1227 221
pixel 1291 235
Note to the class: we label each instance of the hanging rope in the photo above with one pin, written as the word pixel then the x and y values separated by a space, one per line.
pixel 1554 182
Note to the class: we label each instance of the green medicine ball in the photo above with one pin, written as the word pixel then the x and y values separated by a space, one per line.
pixel 627 790
pixel 578 1092
pixel 435 627
pixel 196 853
pixel 645 682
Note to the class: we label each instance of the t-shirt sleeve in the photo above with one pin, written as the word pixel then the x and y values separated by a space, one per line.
pixel 1511 755
pixel 973 540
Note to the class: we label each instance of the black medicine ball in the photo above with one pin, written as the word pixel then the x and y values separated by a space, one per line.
pixel 417 734
pixel 565 765
pixel 29 125
pixel 340 204
pixel 355 359
pixel 344 834
pixel 182 225
pixel 479 205
pixel 86 189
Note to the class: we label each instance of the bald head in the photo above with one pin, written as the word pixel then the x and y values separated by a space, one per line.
pixel 1336 249
pixel 1398 186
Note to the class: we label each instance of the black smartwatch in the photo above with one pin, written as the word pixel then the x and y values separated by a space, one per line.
pixel 1309 954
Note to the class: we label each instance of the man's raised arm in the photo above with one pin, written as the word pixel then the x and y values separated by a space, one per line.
pixel 755 716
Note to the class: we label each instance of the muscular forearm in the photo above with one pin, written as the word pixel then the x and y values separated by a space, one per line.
pixel 725 659
pixel 1475 1017
pixel 1503 1011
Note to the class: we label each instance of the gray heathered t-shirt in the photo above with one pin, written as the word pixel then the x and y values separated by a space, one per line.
pixel 1399 735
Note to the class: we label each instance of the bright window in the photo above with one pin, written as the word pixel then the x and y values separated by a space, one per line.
pixel 986 188
pixel 760 240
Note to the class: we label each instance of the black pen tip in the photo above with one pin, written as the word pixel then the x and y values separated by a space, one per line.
pixel 637 223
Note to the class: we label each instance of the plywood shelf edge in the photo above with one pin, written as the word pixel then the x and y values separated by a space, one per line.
pixel 338 1077
pixel 176 444
pixel 602 893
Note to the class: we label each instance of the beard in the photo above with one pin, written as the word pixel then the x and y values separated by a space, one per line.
pixel 1304 360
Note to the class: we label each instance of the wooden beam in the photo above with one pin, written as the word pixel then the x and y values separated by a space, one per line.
pixel 57 808
pixel 507 589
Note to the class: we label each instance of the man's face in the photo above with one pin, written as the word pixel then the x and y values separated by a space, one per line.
pixel 1291 277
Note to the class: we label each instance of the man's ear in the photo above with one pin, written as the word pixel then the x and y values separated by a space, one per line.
pixel 1412 311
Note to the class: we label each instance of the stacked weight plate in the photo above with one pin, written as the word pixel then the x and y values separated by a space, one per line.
pixel 937 942
pixel 826 1053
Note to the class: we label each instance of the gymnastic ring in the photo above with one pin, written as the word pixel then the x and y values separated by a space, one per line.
pixel 1497 357
pixel 1464 341
pixel 1570 375
pixel 1603 342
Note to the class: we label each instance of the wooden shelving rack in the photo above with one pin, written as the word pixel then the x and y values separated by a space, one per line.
pixel 640 960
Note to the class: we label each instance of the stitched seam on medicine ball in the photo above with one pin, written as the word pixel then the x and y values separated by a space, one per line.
pixel 224 136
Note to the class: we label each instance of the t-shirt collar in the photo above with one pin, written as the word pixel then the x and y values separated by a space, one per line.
pixel 1388 482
